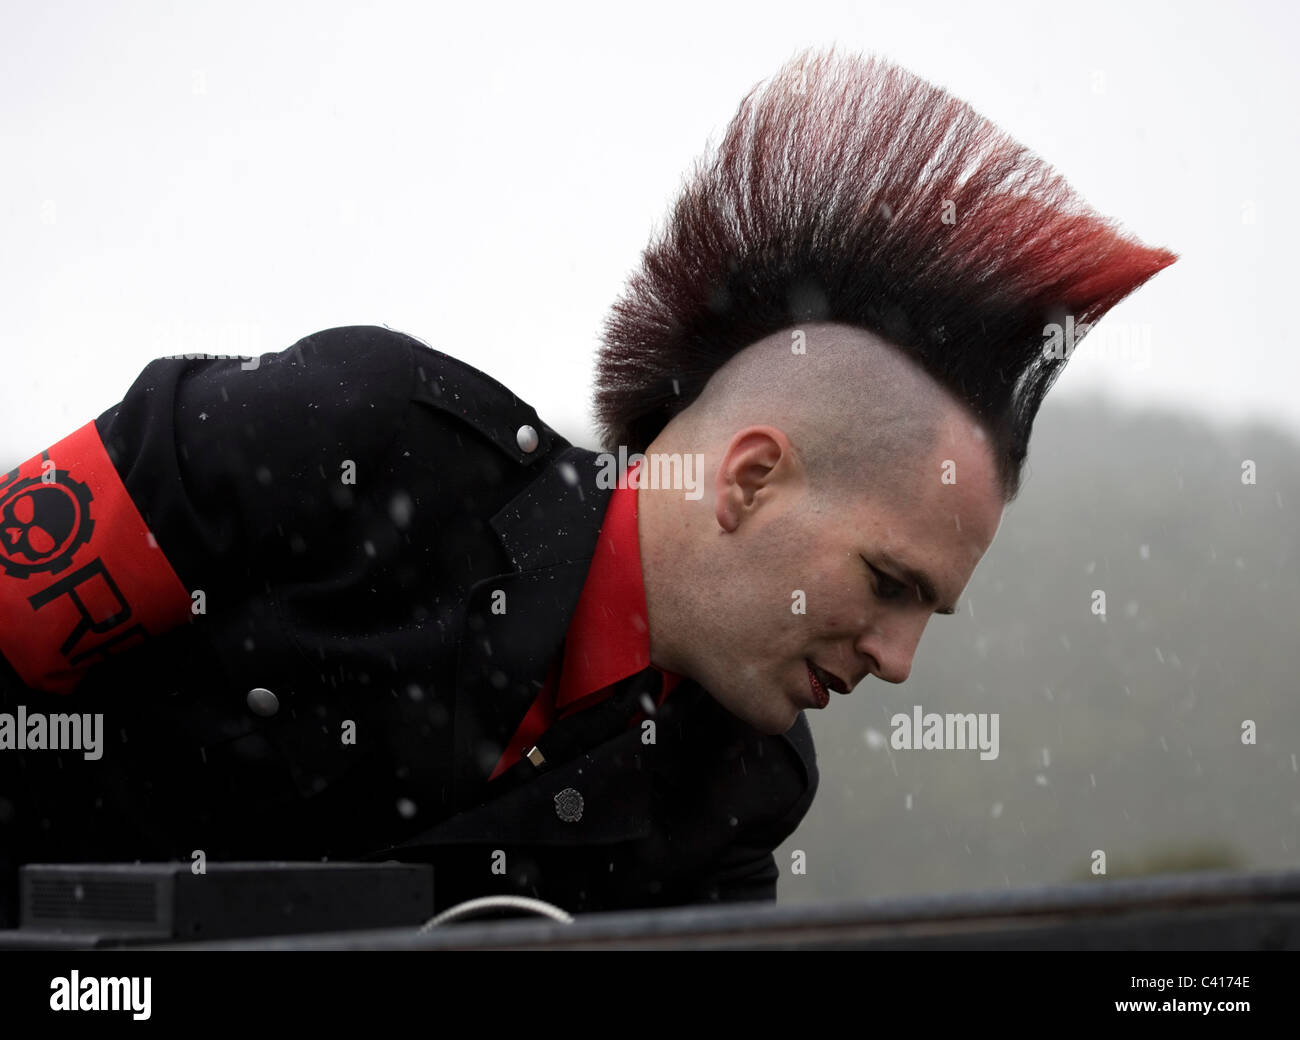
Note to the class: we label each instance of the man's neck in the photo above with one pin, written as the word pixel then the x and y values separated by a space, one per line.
pixel 650 544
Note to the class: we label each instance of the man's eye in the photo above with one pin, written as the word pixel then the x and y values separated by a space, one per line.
pixel 889 588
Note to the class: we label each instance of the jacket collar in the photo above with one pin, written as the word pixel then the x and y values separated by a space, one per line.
pixel 515 623
pixel 556 518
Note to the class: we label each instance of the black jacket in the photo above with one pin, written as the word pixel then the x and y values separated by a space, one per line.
pixel 368 603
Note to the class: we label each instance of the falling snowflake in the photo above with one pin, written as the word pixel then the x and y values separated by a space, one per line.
pixel 400 508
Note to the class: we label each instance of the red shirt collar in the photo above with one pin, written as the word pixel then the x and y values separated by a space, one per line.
pixel 609 635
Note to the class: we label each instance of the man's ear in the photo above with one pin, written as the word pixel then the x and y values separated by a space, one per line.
pixel 756 461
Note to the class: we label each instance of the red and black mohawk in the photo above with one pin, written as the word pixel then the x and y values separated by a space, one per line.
pixel 850 190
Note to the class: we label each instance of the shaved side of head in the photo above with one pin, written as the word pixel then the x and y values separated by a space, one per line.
pixel 859 413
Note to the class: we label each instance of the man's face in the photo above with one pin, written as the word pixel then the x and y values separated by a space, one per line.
pixel 799 579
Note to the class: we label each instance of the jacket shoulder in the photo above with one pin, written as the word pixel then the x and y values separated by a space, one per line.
pixel 437 380
pixel 456 388
pixel 353 358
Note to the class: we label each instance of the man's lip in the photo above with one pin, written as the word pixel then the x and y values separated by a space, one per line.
pixel 813 699
pixel 836 683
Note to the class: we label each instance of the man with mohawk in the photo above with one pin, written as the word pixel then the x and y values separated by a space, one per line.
pixel 358 601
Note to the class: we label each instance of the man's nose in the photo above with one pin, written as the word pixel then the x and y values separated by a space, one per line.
pixel 891 644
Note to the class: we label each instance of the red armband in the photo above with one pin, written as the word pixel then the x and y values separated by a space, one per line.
pixel 81 576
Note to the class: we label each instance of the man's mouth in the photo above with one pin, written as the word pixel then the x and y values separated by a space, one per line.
pixel 821 682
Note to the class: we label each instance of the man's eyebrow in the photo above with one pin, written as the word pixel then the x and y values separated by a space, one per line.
pixel 921 580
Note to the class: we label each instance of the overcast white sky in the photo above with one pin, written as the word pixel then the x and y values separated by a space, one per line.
pixel 229 177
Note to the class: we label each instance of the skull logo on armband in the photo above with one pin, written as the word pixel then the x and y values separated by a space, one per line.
pixel 44 520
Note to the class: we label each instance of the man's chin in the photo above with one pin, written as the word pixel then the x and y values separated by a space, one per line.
pixel 775 729
pixel 764 719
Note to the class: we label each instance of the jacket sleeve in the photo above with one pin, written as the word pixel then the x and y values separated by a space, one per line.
pixel 211 477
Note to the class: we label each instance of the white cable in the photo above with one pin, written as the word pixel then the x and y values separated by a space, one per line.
pixel 474 906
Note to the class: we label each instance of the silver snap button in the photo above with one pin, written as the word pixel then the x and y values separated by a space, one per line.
pixel 527 438
pixel 262 702
pixel 568 805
